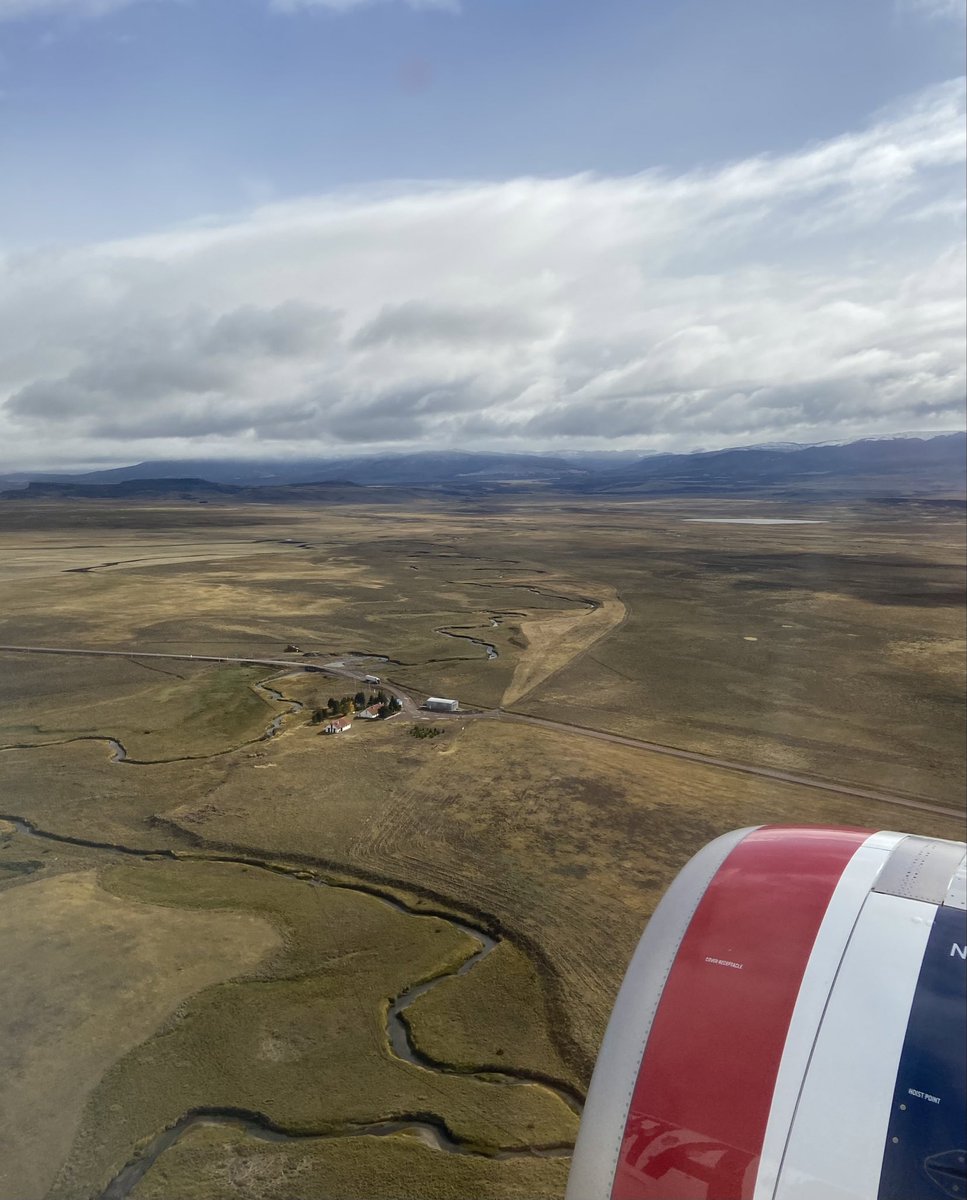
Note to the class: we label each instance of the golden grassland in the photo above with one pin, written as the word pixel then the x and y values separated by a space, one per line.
pixel 304 1045
pixel 567 844
pixel 835 649
pixel 225 1164
pixel 497 1014
pixel 86 977
pixel 155 710
pixel 13 863
pixel 551 642
pixel 854 672
pixel 76 791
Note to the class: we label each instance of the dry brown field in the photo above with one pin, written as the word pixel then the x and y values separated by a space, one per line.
pixel 834 650
pixel 57 1011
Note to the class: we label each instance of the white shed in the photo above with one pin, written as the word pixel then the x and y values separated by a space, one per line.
pixel 338 725
pixel 439 704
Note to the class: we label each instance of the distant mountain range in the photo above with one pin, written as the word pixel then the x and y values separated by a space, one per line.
pixel 204 491
pixel 904 466
pixel 420 469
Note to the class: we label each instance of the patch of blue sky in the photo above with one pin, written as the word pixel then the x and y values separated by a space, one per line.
pixel 159 110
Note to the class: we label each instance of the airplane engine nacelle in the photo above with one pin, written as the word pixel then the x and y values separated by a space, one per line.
pixel 791 1027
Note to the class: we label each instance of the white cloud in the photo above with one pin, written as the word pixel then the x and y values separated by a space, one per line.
pixel 936 10
pixel 791 297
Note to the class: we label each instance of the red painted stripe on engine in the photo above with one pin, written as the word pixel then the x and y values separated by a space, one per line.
pixel 704 1089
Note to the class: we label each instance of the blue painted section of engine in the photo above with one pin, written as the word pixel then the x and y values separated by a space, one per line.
pixel 926 1143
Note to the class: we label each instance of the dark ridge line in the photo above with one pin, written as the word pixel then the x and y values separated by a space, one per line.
pixel 238 859
pixel 527 587
pixel 130 1175
pixel 127 761
pixel 355 879
pixel 447 631
pixel 293 863
pixel 452 658
pixel 86 843
pixel 574 1099
pixel 161 671
pixel 119 756
pixel 257 1124
pixel 117 562
pixel 516 1076
pixel 568 1047
pixel 393 662
pixel 123 758
pixel 283 542
pixel 369 881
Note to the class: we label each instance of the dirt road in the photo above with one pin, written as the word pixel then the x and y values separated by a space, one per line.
pixel 411 705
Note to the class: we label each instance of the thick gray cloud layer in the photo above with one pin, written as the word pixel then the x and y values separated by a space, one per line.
pixel 815 295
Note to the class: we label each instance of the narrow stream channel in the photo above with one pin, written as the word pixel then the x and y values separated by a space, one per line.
pixel 490 649
pixel 433 1133
pixel 274 695
pixel 118 752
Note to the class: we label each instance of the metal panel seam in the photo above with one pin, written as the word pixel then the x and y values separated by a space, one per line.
pixel 868 844
pixel 812 1049
pixel 626 1106
pixel 872 898
pixel 882 843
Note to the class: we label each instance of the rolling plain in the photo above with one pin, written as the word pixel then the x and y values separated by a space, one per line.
pixel 258 962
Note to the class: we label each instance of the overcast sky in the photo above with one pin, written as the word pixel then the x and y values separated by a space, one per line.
pixel 288 227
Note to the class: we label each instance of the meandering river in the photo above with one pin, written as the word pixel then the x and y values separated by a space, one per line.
pixel 433 1132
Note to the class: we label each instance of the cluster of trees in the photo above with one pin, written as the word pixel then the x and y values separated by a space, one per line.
pixel 345 706
pixel 425 731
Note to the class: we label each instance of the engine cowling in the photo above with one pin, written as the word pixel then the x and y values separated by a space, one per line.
pixel 791 1027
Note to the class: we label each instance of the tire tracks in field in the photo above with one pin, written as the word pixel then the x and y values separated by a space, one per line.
pixel 508 714
pixel 483 927
pixel 429 1126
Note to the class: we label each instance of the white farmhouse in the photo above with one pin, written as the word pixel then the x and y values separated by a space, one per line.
pixel 338 725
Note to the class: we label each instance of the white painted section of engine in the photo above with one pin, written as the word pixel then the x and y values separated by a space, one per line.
pixel 841 916
pixel 616 1070
pixel 835 1147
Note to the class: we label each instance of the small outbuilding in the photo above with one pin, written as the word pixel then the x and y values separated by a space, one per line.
pixel 440 704
pixel 337 725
